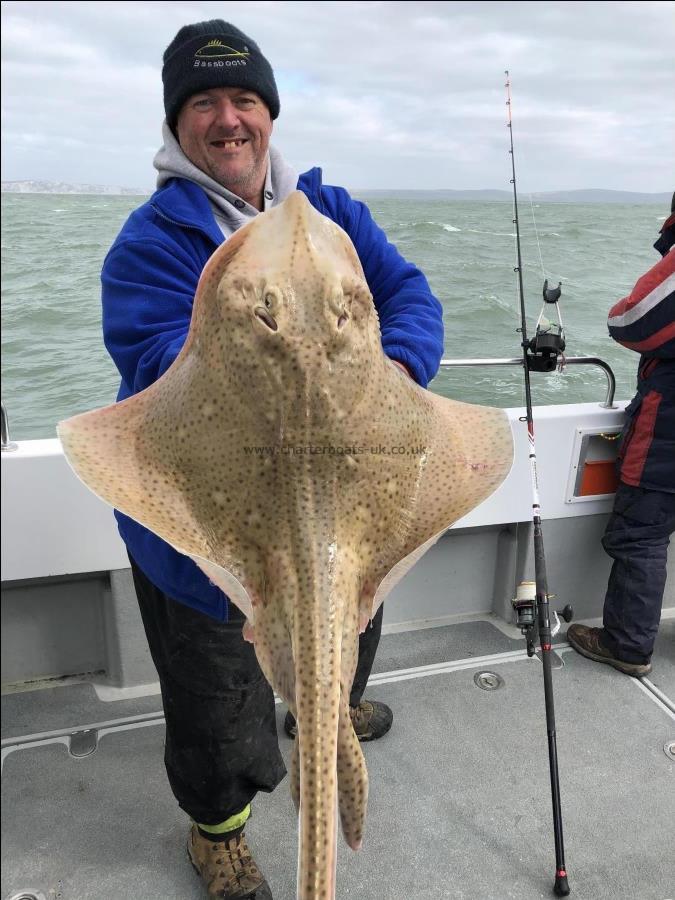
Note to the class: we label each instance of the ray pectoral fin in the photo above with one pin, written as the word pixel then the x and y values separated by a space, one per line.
pixel 398 572
pixel 111 453
pixel 231 586
pixel 472 453
pixel 469 454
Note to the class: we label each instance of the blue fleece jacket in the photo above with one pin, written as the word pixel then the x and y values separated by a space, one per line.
pixel 149 281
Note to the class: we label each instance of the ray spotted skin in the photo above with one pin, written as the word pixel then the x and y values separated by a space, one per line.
pixel 304 472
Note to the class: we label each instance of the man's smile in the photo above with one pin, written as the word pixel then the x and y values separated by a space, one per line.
pixel 230 144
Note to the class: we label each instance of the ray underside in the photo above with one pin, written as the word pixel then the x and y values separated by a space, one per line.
pixel 284 355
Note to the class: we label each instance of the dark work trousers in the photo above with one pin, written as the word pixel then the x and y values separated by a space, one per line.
pixel 637 538
pixel 221 737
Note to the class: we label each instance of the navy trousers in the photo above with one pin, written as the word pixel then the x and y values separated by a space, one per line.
pixel 637 538
pixel 221 737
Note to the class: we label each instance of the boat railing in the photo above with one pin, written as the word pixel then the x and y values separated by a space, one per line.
pixel 7 445
pixel 568 361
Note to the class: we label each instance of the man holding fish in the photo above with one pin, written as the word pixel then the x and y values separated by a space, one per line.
pixel 217 171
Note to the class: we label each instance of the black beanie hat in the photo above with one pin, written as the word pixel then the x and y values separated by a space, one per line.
pixel 211 55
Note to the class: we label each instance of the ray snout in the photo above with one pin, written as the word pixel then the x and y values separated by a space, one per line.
pixel 297 205
pixel 295 276
pixel 310 245
pixel 299 215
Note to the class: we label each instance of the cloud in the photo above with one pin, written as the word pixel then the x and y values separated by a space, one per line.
pixel 381 94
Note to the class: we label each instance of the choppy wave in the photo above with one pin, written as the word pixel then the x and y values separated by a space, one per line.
pixel 496 233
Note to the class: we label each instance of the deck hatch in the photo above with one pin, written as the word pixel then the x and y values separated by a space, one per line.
pixel 27 895
pixel 488 681
pixel 83 743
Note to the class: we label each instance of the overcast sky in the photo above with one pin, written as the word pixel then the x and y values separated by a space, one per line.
pixel 380 94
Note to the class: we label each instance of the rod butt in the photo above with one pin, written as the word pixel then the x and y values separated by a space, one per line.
pixel 561 887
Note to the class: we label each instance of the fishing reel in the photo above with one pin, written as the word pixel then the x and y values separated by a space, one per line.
pixel 525 608
pixel 548 342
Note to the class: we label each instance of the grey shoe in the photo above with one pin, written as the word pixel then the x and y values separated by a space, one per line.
pixel 371 720
pixel 586 641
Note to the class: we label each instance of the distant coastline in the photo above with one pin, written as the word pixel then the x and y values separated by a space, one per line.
pixel 593 195
pixel 60 187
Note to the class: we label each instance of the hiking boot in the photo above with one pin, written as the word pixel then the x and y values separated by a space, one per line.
pixel 370 719
pixel 586 641
pixel 227 867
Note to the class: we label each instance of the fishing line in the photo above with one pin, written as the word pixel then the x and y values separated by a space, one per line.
pixel 536 234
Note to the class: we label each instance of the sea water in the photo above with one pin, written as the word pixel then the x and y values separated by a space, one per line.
pixel 54 364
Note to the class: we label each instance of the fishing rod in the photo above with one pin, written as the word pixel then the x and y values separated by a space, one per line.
pixel 532 607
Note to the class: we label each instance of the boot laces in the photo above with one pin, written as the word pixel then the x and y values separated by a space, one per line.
pixel 237 860
pixel 360 714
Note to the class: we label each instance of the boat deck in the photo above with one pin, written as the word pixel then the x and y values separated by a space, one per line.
pixel 459 789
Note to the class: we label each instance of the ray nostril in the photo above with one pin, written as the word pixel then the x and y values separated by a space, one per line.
pixel 268 320
pixel 342 321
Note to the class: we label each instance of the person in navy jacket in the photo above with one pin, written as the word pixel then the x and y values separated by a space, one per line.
pixel 217 171
pixel 643 518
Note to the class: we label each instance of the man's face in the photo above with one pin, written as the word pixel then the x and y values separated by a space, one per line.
pixel 226 132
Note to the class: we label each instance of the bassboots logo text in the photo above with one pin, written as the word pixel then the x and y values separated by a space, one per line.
pixel 216 54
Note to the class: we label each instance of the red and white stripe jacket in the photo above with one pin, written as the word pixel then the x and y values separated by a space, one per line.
pixel 645 321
